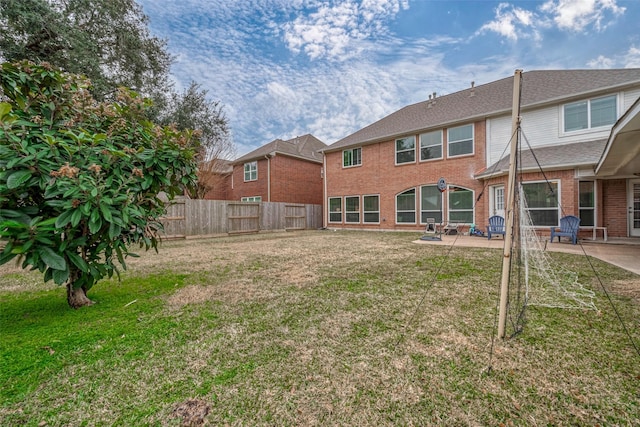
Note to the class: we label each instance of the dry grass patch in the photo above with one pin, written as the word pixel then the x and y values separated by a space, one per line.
pixel 332 328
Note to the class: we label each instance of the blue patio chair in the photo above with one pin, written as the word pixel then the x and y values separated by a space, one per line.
pixel 496 226
pixel 568 228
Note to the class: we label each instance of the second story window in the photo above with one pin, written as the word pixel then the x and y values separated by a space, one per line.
pixel 352 157
pixel 460 141
pixel 591 113
pixel 251 171
pixel 406 150
pixel 431 145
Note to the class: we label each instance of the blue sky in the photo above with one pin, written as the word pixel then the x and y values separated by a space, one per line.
pixel 284 68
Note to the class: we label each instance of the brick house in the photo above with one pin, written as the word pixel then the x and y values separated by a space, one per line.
pixel 214 179
pixel 580 130
pixel 280 171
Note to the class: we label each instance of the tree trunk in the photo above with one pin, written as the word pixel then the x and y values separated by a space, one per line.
pixel 77 297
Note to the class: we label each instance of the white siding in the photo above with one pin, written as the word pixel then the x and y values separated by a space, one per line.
pixel 542 127
pixel 629 98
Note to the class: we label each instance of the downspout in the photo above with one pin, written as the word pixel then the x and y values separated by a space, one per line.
pixel 324 191
pixel 268 157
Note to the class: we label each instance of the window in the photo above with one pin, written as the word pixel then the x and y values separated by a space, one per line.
pixel 460 140
pixel 251 171
pixel 460 204
pixel 406 150
pixel 335 209
pixel 352 209
pixel 406 207
pixel 542 202
pixel 431 145
pixel 587 204
pixel 352 157
pixel 591 113
pixel 430 204
pixel 371 208
pixel 251 199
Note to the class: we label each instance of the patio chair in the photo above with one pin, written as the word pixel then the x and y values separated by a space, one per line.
pixel 496 226
pixel 568 228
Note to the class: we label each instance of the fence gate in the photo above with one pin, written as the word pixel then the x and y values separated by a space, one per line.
pixel 295 217
pixel 243 217
pixel 174 222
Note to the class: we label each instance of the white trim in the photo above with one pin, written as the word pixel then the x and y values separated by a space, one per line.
pixel 558 182
pixel 441 146
pixel 441 212
pixel 415 211
pixel 329 211
pixel 366 212
pixel 395 151
pixel 244 171
pixel 589 129
pixel 473 141
pixel 346 212
pixel 473 204
pixel 633 232
pixel 352 165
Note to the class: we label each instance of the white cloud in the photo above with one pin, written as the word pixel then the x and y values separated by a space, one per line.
pixel 601 62
pixel 331 32
pixel 512 22
pixel 515 23
pixel 632 58
pixel 576 15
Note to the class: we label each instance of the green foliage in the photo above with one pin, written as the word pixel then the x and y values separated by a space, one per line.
pixel 108 41
pixel 79 180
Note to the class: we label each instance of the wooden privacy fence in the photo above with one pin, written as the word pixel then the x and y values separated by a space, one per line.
pixel 187 217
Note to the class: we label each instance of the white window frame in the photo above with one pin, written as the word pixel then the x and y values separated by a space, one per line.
pixel 352 157
pixel 589 127
pixel 365 212
pixel 415 213
pixel 450 209
pixel 558 202
pixel 348 213
pixel 251 199
pixel 251 168
pixel 335 212
pixel 396 152
pixel 588 208
pixel 431 145
pixel 450 142
pixel 422 210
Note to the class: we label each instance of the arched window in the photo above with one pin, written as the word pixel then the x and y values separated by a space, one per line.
pixel 406 207
pixel 460 204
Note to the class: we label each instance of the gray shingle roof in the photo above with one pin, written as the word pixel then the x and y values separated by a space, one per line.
pixel 551 157
pixel 538 88
pixel 305 147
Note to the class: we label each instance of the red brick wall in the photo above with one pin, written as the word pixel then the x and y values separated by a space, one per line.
pixel 614 206
pixel 250 188
pixel 292 180
pixel 295 180
pixel 378 174
pixel 221 188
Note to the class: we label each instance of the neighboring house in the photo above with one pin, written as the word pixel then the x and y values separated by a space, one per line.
pixel 214 179
pixel 582 125
pixel 280 171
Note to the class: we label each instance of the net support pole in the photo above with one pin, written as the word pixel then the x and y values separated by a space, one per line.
pixel 508 236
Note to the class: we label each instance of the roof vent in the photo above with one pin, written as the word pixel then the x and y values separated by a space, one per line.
pixel 473 89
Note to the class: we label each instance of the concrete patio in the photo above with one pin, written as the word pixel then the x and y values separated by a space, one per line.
pixel 621 252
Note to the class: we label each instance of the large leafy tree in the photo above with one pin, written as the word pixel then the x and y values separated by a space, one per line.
pixel 193 110
pixel 108 41
pixel 80 179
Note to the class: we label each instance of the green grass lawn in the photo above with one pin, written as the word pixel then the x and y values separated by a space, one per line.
pixel 313 328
